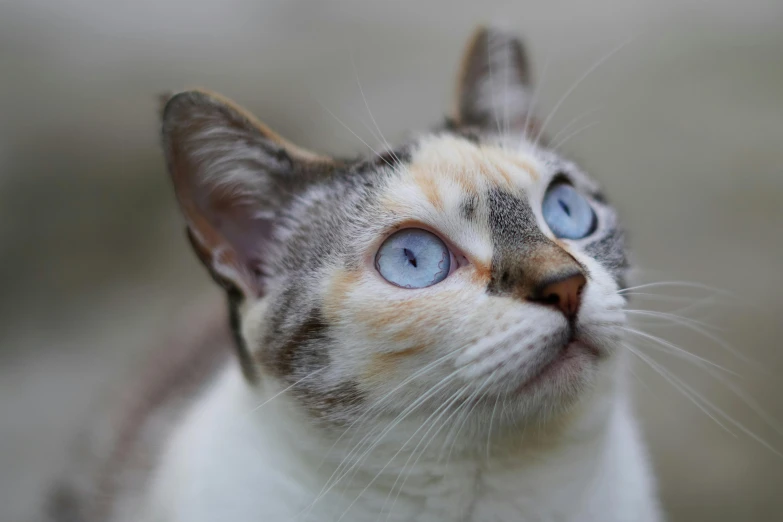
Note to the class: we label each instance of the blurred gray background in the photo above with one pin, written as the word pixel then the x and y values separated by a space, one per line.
pixel 685 130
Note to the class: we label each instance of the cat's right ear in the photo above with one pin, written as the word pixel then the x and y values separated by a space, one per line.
pixel 232 177
pixel 493 88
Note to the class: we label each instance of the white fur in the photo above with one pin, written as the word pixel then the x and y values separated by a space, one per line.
pixel 232 460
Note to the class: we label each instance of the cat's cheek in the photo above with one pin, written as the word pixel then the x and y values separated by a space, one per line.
pixel 337 290
pixel 384 367
pixel 253 324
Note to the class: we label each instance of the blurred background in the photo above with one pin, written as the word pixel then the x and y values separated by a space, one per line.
pixel 683 125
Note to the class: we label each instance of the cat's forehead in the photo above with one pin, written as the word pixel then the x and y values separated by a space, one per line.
pixel 447 173
pixel 449 182
pixel 473 166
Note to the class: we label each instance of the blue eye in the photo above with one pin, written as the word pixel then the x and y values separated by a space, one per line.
pixel 413 258
pixel 567 212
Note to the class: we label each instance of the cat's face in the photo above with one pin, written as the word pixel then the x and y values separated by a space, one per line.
pixel 467 269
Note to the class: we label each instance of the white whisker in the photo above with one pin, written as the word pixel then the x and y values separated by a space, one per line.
pixel 676 349
pixel 367 106
pixel 471 403
pixel 692 301
pixel 372 481
pixel 701 328
pixel 681 284
pixel 346 460
pixel 377 154
pixel 557 145
pixel 576 84
pixel 572 123
pixel 534 98
pixel 278 394
pixel 491 420
pixel 679 385
pixel 447 404
pixel 671 317
pixel 702 403
pixel 412 407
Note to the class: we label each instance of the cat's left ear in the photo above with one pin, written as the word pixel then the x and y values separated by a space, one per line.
pixel 233 178
pixel 493 90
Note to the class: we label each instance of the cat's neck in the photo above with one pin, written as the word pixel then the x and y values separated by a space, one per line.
pixel 251 449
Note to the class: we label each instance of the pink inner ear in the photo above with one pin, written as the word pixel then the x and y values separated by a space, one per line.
pixel 227 170
pixel 235 232
pixel 248 234
pixel 230 227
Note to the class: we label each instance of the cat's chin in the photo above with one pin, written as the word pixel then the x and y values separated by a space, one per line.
pixel 562 381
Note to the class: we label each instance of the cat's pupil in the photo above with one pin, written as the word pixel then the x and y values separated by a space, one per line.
pixel 565 207
pixel 409 255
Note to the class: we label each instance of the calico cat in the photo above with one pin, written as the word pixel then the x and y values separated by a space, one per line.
pixel 430 334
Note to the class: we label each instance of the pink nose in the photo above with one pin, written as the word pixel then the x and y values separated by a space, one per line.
pixel 565 293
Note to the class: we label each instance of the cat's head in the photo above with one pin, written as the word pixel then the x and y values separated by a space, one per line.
pixel 470 267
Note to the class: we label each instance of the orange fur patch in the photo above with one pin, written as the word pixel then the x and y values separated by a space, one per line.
pixel 386 362
pixel 390 314
pixel 394 207
pixel 429 186
pixel 407 352
pixel 482 273
pixel 503 174
pixel 406 320
pixel 339 287
pixel 468 165
pixel 525 165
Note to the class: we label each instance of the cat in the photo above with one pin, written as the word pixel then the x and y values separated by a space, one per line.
pixel 430 334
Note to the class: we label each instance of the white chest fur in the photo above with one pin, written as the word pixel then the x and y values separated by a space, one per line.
pixel 231 460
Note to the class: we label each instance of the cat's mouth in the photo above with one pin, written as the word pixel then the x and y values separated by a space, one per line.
pixel 558 357
pixel 569 361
